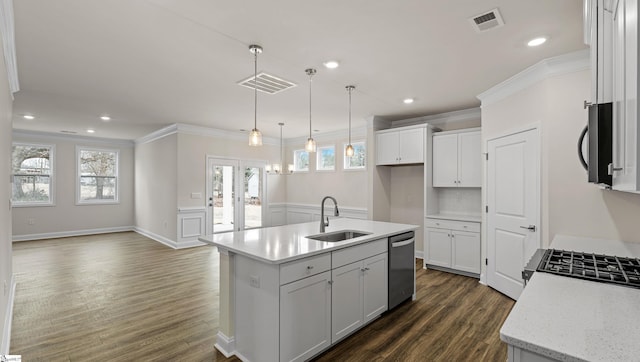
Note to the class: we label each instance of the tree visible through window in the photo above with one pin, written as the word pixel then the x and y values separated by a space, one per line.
pixel 326 158
pixel 300 160
pixel 32 170
pixel 98 176
pixel 359 158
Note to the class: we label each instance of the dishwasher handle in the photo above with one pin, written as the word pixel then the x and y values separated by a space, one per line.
pixel 402 243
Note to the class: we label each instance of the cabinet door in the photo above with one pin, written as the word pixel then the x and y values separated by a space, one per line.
pixel 387 148
pixel 375 286
pixel 411 146
pixel 466 251
pixel 305 317
pixel 438 247
pixel 469 160
pixel 445 160
pixel 346 297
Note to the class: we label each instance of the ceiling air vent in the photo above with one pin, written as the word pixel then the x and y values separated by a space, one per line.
pixel 487 21
pixel 267 83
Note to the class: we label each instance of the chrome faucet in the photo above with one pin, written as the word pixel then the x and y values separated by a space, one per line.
pixel 324 224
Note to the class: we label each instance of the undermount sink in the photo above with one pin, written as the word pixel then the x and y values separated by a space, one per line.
pixel 336 236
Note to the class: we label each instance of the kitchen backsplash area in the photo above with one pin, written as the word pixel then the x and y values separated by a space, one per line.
pixel 460 201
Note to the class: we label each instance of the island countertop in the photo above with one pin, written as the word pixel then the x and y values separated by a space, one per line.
pixel 569 319
pixel 280 244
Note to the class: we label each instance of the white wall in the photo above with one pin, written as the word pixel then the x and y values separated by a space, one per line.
pixel 65 217
pixel 407 198
pixel 156 187
pixel 569 204
pixel 6 104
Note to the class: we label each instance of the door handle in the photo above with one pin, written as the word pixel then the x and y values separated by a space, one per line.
pixel 530 227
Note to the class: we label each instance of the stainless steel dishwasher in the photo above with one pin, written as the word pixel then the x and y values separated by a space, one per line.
pixel 401 267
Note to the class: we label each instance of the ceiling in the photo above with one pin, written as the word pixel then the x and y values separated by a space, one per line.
pixel 152 63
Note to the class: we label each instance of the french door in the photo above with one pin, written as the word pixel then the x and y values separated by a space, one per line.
pixel 236 195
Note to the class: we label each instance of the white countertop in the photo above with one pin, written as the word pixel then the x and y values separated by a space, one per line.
pixel 569 319
pixel 280 244
pixel 458 217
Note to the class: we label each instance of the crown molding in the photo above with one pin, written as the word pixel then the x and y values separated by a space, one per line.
pixel 463 115
pixel 7 30
pixel 184 128
pixel 562 64
pixel 47 136
pixel 156 135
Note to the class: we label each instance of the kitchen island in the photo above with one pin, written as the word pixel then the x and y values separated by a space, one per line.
pixel 285 296
pixel 559 318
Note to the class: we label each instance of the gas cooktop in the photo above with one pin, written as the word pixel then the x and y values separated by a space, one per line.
pixel 600 268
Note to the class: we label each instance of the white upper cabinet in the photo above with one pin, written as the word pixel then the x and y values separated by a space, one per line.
pixel 598 28
pixel 400 146
pixel 457 159
pixel 624 169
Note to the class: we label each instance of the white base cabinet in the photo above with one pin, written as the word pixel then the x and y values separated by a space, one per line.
pixel 454 245
pixel 296 310
pixel 359 295
pixel 305 317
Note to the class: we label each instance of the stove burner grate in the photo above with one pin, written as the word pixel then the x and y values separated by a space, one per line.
pixel 596 267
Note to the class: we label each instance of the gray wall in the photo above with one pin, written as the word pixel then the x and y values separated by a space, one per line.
pixel 65 217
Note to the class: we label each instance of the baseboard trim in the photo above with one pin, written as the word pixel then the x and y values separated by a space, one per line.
pixel 159 238
pixel 226 345
pixel 6 329
pixel 65 234
pixel 419 254
pixel 454 271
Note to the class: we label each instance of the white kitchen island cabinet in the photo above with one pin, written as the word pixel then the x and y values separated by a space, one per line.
pixel 399 146
pixel 457 159
pixel 290 292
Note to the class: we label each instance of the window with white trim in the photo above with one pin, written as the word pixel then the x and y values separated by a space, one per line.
pixel 359 159
pixel 300 160
pixel 97 176
pixel 32 174
pixel 326 158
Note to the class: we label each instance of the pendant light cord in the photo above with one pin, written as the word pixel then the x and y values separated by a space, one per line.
pixel 255 90
pixel 350 88
pixel 310 76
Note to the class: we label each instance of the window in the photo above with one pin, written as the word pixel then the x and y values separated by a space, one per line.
pixel 32 171
pixel 359 159
pixel 97 176
pixel 300 160
pixel 326 158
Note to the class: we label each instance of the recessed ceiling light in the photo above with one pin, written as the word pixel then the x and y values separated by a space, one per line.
pixel 28 116
pixel 537 41
pixel 331 64
pixel 91 130
pixel 105 118
pixel 408 101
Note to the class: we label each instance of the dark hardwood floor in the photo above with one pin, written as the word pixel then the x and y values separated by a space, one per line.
pixel 123 297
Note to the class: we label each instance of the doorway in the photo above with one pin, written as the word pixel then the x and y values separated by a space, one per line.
pixel 513 201
pixel 236 195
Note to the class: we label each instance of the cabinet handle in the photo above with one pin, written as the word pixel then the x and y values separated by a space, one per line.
pixel 330 282
pixel 364 269
pixel 309 267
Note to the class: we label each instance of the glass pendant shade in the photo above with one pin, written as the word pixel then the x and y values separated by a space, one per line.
pixel 310 146
pixel 349 150
pixel 255 137
pixel 279 168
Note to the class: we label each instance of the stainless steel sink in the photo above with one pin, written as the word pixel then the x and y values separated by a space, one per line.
pixel 336 236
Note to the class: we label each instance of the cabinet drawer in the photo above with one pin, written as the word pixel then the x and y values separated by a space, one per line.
pixel 298 269
pixel 358 252
pixel 452 225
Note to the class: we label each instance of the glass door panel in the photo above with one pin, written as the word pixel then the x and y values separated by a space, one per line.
pixel 223 198
pixel 253 196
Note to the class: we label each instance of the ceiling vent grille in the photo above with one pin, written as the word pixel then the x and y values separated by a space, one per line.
pixel 267 83
pixel 487 21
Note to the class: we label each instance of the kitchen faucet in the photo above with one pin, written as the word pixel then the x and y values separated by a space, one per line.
pixel 324 224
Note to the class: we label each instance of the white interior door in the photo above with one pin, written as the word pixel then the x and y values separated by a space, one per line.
pixel 236 194
pixel 513 198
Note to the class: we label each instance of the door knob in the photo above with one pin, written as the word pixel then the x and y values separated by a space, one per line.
pixel 530 227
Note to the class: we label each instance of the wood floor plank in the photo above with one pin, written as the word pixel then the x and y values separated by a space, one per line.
pixel 123 297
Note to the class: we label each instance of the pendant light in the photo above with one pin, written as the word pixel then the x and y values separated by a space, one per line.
pixel 349 150
pixel 310 146
pixel 255 136
pixel 278 168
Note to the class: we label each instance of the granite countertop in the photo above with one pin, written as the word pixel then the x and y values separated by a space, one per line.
pixel 570 319
pixel 458 217
pixel 280 244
